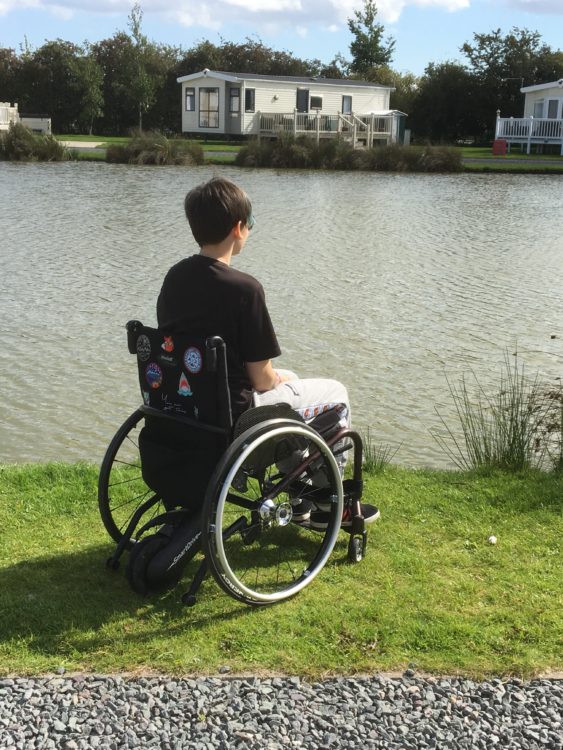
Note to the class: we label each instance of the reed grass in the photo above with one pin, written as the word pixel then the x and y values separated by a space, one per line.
pixel 503 430
pixel 377 457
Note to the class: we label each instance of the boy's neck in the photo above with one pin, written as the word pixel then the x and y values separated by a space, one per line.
pixel 232 245
pixel 222 252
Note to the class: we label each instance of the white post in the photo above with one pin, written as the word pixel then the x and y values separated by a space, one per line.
pixel 530 135
pixel 318 123
pixel 497 129
pixel 294 123
pixel 259 125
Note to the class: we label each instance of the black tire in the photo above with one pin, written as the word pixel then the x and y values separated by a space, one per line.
pixel 269 558
pixel 121 488
pixel 355 549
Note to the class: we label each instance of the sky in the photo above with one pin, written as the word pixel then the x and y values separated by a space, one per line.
pixel 424 30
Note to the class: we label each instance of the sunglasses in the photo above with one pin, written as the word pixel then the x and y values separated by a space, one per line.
pixel 250 222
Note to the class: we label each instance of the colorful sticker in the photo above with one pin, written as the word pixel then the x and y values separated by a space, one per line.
pixel 146 397
pixel 153 374
pixel 168 344
pixel 143 347
pixel 193 360
pixel 184 387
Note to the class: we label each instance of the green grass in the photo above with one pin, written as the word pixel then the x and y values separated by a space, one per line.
pixel 513 162
pixel 431 590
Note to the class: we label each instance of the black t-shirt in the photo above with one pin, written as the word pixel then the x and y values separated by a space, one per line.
pixel 206 297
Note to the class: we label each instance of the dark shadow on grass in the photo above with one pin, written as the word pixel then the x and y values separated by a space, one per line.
pixel 60 604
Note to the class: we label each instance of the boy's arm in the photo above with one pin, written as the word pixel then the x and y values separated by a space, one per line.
pixel 263 376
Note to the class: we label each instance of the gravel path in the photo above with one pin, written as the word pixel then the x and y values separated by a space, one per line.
pixel 92 711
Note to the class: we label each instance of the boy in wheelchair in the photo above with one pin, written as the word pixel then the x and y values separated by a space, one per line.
pixel 204 295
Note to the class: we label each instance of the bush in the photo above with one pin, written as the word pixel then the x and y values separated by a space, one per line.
pixel 336 153
pixel 440 159
pixel 20 144
pixel 154 148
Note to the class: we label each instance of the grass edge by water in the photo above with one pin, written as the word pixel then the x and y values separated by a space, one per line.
pixel 380 616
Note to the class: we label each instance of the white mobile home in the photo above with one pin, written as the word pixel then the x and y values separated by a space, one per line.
pixel 9 115
pixel 542 123
pixel 242 104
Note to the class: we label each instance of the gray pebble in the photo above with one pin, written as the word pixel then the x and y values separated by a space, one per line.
pixel 110 713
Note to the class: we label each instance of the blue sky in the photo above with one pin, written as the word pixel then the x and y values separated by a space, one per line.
pixel 425 30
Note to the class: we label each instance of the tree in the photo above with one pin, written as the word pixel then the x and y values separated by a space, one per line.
pixel 443 109
pixel 9 68
pixel 142 84
pixel 90 78
pixel 48 84
pixel 368 48
pixel 502 64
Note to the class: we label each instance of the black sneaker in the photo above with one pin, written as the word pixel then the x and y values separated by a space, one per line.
pixel 319 519
pixel 301 510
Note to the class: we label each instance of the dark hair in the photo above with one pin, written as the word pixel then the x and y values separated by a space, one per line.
pixel 213 208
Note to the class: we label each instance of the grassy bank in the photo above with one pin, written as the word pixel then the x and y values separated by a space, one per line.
pixel 431 590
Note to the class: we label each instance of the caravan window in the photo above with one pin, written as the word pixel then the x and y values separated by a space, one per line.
pixel 190 100
pixel 552 107
pixel 316 102
pixel 538 108
pixel 208 108
pixel 346 105
pixel 234 100
pixel 249 100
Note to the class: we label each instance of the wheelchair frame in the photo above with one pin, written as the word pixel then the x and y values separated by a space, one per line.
pixel 247 522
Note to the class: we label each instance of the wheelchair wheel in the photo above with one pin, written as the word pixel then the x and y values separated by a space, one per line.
pixel 121 489
pixel 254 549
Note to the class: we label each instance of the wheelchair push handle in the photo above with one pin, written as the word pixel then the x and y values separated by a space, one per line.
pixel 133 327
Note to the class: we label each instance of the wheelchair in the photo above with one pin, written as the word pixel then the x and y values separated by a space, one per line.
pixel 180 456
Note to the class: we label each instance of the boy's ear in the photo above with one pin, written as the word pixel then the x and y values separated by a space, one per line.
pixel 237 230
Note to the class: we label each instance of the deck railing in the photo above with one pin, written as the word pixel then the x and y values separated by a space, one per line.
pixel 364 128
pixel 8 114
pixel 530 130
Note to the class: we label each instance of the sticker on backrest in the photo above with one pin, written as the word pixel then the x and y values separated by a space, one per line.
pixel 168 344
pixel 143 347
pixel 184 387
pixel 193 360
pixel 153 374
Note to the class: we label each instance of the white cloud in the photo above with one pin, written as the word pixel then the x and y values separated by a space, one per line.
pixel 219 12
pixel 537 6
pixel 268 6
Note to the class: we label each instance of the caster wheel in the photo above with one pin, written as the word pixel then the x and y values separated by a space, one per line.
pixel 355 549
pixel 112 564
pixel 189 600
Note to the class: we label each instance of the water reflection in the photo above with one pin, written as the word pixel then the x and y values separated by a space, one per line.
pixel 383 281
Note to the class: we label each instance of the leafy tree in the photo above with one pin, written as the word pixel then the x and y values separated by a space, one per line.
pixel 143 81
pixel 502 64
pixel 368 48
pixel 89 75
pixel 443 109
pixel 9 67
pixel 48 84
pixel 113 56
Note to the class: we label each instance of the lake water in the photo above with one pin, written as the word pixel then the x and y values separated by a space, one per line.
pixel 389 283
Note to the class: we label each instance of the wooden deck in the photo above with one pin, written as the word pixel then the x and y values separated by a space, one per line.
pixel 529 131
pixel 360 130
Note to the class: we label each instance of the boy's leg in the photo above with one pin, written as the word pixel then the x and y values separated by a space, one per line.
pixel 309 397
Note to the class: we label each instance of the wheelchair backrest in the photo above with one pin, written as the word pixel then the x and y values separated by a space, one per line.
pixel 182 376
